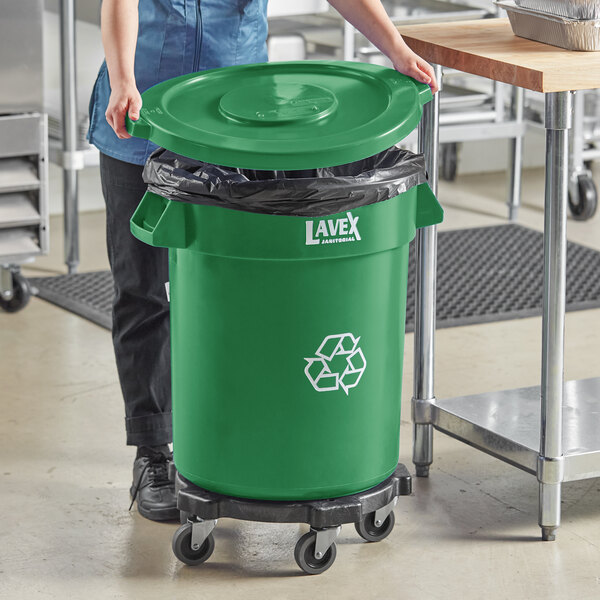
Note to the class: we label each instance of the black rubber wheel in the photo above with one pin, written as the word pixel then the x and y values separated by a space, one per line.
pixel 584 206
pixel 182 547
pixel 449 161
pixel 304 554
pixel 21 294
pixel 370 532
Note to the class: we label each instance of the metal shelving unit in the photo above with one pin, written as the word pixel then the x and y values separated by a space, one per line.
pixel 23 202
pixel 23 149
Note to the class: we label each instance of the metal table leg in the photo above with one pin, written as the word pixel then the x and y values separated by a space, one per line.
pixel 426 255
pixel 71 159
pixel 550 471
pixel 516 155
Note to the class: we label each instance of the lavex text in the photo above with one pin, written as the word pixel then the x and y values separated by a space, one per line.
pixel 333 231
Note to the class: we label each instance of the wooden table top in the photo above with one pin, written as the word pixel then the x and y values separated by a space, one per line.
pixel 489 48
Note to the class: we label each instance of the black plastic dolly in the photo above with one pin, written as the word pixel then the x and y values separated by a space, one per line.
pixel 371 512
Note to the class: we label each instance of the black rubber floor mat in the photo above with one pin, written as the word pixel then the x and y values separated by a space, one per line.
pixel 496 273
pixel 484 274
pixel 88 295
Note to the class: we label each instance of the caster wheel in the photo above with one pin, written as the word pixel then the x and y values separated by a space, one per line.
pixel 21 294
pixel 449 161
pixel 304 554
pixel 182 547
pixel 584 206
pixel 371 532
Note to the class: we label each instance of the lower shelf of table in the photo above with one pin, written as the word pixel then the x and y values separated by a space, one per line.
pixel 507 425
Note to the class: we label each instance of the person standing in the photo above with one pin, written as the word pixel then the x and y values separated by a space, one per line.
pixel 145 43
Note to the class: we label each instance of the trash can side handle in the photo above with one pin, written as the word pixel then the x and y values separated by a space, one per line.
pixel 424 92
pixel 140 128
pixel 159 222
pixel 429 211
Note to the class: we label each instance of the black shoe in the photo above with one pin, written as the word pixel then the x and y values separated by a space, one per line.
pixel 152 488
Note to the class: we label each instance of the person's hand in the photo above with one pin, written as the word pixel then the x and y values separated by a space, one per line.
pixel 123 99
pixel 411 64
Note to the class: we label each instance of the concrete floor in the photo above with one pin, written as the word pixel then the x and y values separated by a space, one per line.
pixel 469 531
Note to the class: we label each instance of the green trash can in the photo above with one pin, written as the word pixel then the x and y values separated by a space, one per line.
pixel 287 329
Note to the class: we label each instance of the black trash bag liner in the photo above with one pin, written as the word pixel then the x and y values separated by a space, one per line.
pixel 307 193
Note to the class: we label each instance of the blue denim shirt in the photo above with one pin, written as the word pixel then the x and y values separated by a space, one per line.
pixel 176 37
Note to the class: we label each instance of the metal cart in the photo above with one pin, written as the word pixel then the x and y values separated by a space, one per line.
pixel 23 150
pixel 23 202
pixel 549 431
pixel 583 193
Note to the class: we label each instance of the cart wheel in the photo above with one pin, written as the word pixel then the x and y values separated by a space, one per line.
pixel 21 294
pixel 182 547
pixel 304 554
pixel 370 532
pixel 449 161
pixel 584 206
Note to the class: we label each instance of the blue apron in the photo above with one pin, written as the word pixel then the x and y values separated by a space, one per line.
pixel 176 37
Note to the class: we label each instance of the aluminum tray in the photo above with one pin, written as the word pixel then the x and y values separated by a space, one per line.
pixel 572 9
pixel 572 34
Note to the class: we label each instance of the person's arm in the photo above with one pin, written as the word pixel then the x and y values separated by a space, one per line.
pixel 119 22
pixel 370 18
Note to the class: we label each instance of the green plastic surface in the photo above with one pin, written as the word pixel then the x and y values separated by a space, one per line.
pixel 288 115
pixel 256 300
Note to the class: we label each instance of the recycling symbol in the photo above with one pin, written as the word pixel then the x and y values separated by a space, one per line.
pixel 319 369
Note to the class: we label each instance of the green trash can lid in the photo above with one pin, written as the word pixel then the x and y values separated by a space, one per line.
pixel 282 116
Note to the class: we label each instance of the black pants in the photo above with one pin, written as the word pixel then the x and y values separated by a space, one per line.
pixel 140 309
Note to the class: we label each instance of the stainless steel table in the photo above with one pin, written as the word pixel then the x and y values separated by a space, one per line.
pixel 551 430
